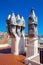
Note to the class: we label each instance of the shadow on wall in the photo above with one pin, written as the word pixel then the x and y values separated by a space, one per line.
pixel 22 46
pixel 8 50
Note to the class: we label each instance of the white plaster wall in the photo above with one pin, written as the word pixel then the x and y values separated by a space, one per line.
pixel 18 46
pixel 36 47
pixel 16 52
pixel 32 47
pixel 22 45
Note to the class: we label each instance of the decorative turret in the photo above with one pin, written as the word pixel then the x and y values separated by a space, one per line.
pixel 32 24
pixel 22 22
pixel 13 19
pixel 32 17
pixel 32 44
pixel 18 20
pixel 9 16
pixel 15 26
pixel 18 17
pixel 15 23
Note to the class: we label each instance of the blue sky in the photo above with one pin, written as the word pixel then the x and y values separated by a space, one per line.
pixel 22 7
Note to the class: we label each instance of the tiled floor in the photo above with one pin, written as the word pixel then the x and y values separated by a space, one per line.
pixel 37 59
pixel 11 59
